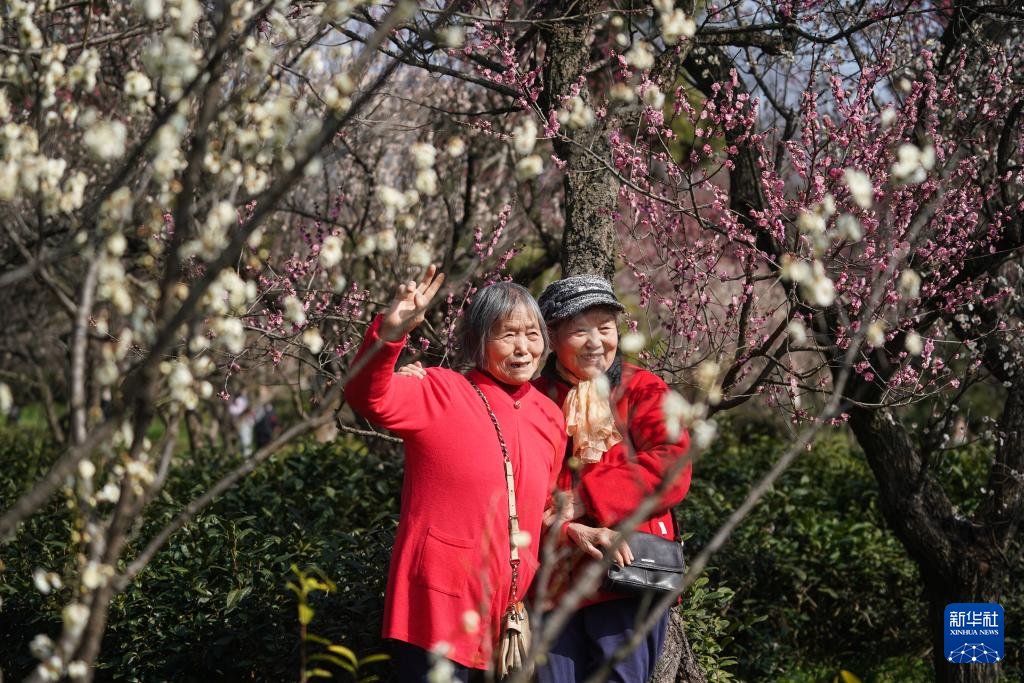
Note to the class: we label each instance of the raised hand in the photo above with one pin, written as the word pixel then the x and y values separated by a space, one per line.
pixel 410 304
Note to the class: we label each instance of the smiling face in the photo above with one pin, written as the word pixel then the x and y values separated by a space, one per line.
pixel 514 346
pixel 586 343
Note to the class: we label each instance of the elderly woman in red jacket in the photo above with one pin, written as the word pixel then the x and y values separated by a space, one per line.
pixel 450 578
pixel 618 456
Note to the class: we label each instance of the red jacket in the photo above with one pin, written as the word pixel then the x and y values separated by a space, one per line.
pixel 451 553
pixel 612 489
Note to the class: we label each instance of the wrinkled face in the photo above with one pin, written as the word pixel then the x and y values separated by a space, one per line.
pixel 514 347
pixel 586 343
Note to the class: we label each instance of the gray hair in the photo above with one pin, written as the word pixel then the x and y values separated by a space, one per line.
pixel 491 305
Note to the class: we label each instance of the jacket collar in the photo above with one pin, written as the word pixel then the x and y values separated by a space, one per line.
pixel 514 391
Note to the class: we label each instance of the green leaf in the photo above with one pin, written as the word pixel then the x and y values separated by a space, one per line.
pixel 235 596
pixel 305 614
pixel 337 661
pixel 345 652
pixel 319 673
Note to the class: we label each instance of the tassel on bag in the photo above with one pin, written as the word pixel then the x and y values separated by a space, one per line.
pixel 515 641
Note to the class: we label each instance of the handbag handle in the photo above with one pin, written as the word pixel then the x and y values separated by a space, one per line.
pixel 513 516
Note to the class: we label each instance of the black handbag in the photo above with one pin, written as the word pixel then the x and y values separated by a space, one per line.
pixel 658 567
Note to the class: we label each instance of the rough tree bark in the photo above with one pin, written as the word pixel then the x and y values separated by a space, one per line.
pixel 589 241
pixel 677 663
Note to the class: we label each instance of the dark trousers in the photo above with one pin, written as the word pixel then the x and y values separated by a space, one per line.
pixel 414 665
pixel 591 637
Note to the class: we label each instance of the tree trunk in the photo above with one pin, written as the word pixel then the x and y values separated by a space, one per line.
pixel 958 559
pixel 589 242
pixel 677 663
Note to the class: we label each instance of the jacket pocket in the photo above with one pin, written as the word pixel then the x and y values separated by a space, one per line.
pixel 444 562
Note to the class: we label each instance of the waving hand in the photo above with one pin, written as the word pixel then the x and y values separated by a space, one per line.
pixel 410 305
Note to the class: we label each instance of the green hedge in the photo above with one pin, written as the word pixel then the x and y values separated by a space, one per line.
pixel 213 604
pixel 810 584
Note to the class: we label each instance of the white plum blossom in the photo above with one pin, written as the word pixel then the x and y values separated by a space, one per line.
pixel 426 181
pixel 913 343
pixel 797 332
pixel 116 244
pixel 312 340
pixel 455 147
pixel 678 412
pixel 453 37
pixel 675 25
pixel 41 646
pixel 529 167
pixel 330 251
pixel 137 84
pixel 392 200
pixel 230 334
pixel 577 114
pixel 95 575
pixel 471 621
pixel 640 56
pixel 913 163
pixel 6 399
pixel 811 222
pixel 888 117
pixel 632 342
pixel 707 374
pixel 423 155
pixel 909 283
pixel 405 221
pixel 387 242
pixel 704 433
pixel 106 140
pixel 849 228
pixel 524 137
pixel 185 13
pixel 173 61
pixel 875 333
pixel 521 539
pixel 860 188
pixel 151 9
pixel 819 288
pixel 29 33
pixel 107 373
pixel 419 255
pixel 366 245
pixel 46 582
pixel 653 97
pixel 75 617
pixel 86 469
pixel 621 92
pixel 294 311
pixel 77 669
pixel 110 493
pixel 795 269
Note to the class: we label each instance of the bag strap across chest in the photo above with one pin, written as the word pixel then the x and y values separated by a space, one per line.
pixel 513 515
